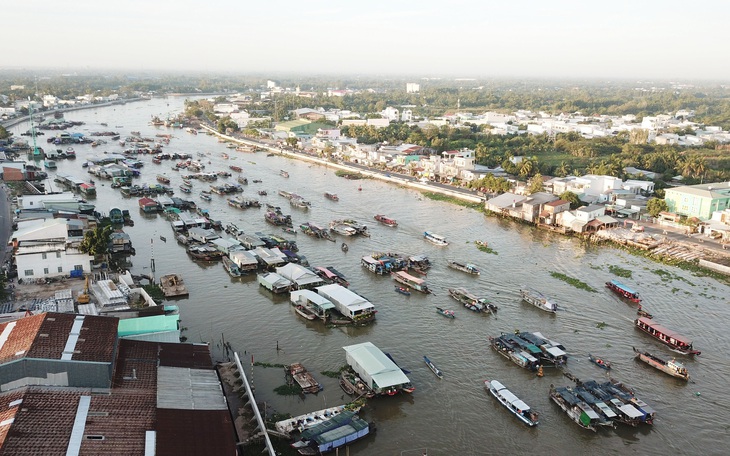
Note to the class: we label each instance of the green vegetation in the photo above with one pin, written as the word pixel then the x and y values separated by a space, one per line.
pixel 572 198
pixel 656 205
pixel 335 374
pixel 451 199
pixel 349 174
pixel 572 281
pixel 288 390
pixel 155 292
pixel 482 246
pixel 619 271
pixel 96 241
pixel 601 325
pixel 259 364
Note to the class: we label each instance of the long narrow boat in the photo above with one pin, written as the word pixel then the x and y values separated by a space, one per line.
pixel 446 312
pixel 433 367
pixel 666 336
pixel 386 220
pixel 410 281
pixel 600 362
pixel 403 290
pixel 512 403
pixel 331 196
pixel 672 367
pixel 623 291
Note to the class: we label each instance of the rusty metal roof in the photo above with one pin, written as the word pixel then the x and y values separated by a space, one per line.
pixel 192 432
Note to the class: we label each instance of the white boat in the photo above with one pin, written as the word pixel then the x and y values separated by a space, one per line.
pixel 308 420
pixel 538 300
pixel 512 402
pixel 435 238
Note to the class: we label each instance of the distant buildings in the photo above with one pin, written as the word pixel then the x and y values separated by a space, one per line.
pixel 412 87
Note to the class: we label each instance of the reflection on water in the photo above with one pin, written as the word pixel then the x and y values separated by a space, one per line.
pixel 454 415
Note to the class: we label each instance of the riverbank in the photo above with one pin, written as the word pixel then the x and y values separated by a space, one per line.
pixel 17 120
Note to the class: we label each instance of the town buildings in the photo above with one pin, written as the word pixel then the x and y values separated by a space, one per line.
pixel 699 201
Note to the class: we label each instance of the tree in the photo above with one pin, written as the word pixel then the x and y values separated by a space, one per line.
pixel 535 184
pixel 656 205
pixel 291 142
pixel 96 241
pixel 572 198
pixel 4 134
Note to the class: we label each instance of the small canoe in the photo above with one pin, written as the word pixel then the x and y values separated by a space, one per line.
pixel 643 313
pixel 445 312
pixel 433 367
pixel 402 290
pixel 289 230
pixel 603 364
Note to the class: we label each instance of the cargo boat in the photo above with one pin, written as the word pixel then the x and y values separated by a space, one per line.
pixel 666 336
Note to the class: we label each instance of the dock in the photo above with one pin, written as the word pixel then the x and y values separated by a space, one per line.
pixel 173 286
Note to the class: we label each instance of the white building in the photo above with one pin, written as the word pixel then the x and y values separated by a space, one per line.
pixel 412 87
pixel 391 113
pixel 45 249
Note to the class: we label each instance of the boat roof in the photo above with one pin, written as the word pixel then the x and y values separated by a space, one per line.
pixel 606 410
pixel 556 352
pixel 312 297
pixel 410 278
pixel 356 425
pixel 529 357
pixel 643 406
pixel 381 369
pixel 630 411
pixel 623 287
pixel 665 331
pixel 336 421
pixel 513 400
pixel 588 411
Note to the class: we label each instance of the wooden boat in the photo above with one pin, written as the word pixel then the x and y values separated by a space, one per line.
pixel 304 312
pixel 643 313
pixel 173 285
pixel 331 196
pixel 434 238
pixel 445 312
pixel 538 300
pixel 309 420
pixel 403 291
pixel 506 346
pixel 464 267
pixel 344 247
pixel 623 291
pixel 433 367
pixel 410 281
pixel 512 403
pixel 385 220
pixel 672 367
pixel 599 362
pixel 185 189
pixel 471 301
pixel 353 385
pixel 666 336
pixel 283 173
pixel 163 179
pixel 577 410
pixel 231 267
pixel 289 230
pixel 262 193
pixel 235 168
pixel 204 253
pixel 242 180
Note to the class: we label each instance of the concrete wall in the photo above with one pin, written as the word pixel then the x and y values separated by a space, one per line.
pixel 715 267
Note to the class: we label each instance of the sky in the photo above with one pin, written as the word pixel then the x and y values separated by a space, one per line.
pixel 635 39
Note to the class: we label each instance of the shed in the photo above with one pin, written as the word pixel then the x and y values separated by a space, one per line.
pixel 245 260
pixel 374 367
pixel 274 282
pixel 300 275
pixel 202 235
pixel 348 303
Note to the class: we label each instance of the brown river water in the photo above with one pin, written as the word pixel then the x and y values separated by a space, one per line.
pixel 454 415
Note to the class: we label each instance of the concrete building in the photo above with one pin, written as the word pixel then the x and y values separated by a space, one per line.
pixel 49 248
pixel 412 87
pixel 698 200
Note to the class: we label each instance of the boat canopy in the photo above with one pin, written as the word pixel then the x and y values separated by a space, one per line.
pixel 590 413
pixel 667 332
pixel 341 419
pixel 298 296
pixel 376 369
pixel 623 287
pixel 630 411
pixel 410 278
pixel 513 400
pixel 555 352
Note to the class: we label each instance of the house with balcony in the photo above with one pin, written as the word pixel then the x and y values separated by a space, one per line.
pixel 698 200
pixel 533 206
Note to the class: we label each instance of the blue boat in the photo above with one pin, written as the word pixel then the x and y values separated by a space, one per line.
pixel 433 367
pixel 623 291
pixel 403 291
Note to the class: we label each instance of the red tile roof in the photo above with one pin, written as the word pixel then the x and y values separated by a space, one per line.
pixel 20 338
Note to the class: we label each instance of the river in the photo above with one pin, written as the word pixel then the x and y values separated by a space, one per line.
pixel 454 415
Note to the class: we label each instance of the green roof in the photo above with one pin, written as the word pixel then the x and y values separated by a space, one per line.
pixel 145 325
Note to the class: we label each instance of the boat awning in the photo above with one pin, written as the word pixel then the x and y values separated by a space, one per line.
pixel 497 385
pixel 528 356
pixel 589 411
pixel 555 352
pixel 623 287
pixel 410 278
pixel 606 410
pixel 630 411
pixel 370 260
pixel 513 400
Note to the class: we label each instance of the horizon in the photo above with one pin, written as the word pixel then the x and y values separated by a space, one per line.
pixel 529 40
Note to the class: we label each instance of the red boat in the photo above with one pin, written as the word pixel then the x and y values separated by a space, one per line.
pixel 623 291
pixel 385 220
pixel 666 336
pixel 237 169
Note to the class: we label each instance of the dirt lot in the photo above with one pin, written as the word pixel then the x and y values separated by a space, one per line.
pixel 25 293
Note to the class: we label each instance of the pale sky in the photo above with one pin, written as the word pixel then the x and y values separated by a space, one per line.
pixel 639 39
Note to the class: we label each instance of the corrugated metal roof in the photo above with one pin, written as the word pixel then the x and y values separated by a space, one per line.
pixel 181 432
pixel 189 389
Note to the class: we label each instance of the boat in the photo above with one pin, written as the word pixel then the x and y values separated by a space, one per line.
pixel 289 230
pixel 204 253
pixel 304 312
pixel 507 346
pixel 344 247
pixel 332 275
pixel 262 193
pixel 433 367
pixel 163 179
pixel 205 196
pixel 309 420
pixel 283 173
pixel 402 290
pixel 464 267
pixel 353 385
pixel 643 313
pixel 332 434
pixel 512 403
pixel 600 362
pixel 623 291
pixel 331 196
pixel 578 411
pixel 235 168
pixel 672 367
pixel 471 301
pixel 173 285
pixel 436 239
pixel 185 189
pixel 385 220
pixel 303 378
pixel 666 336
pixel 538 300
pixel 412 282
pixel 49 164
pixel 445 312
pixel 231 267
